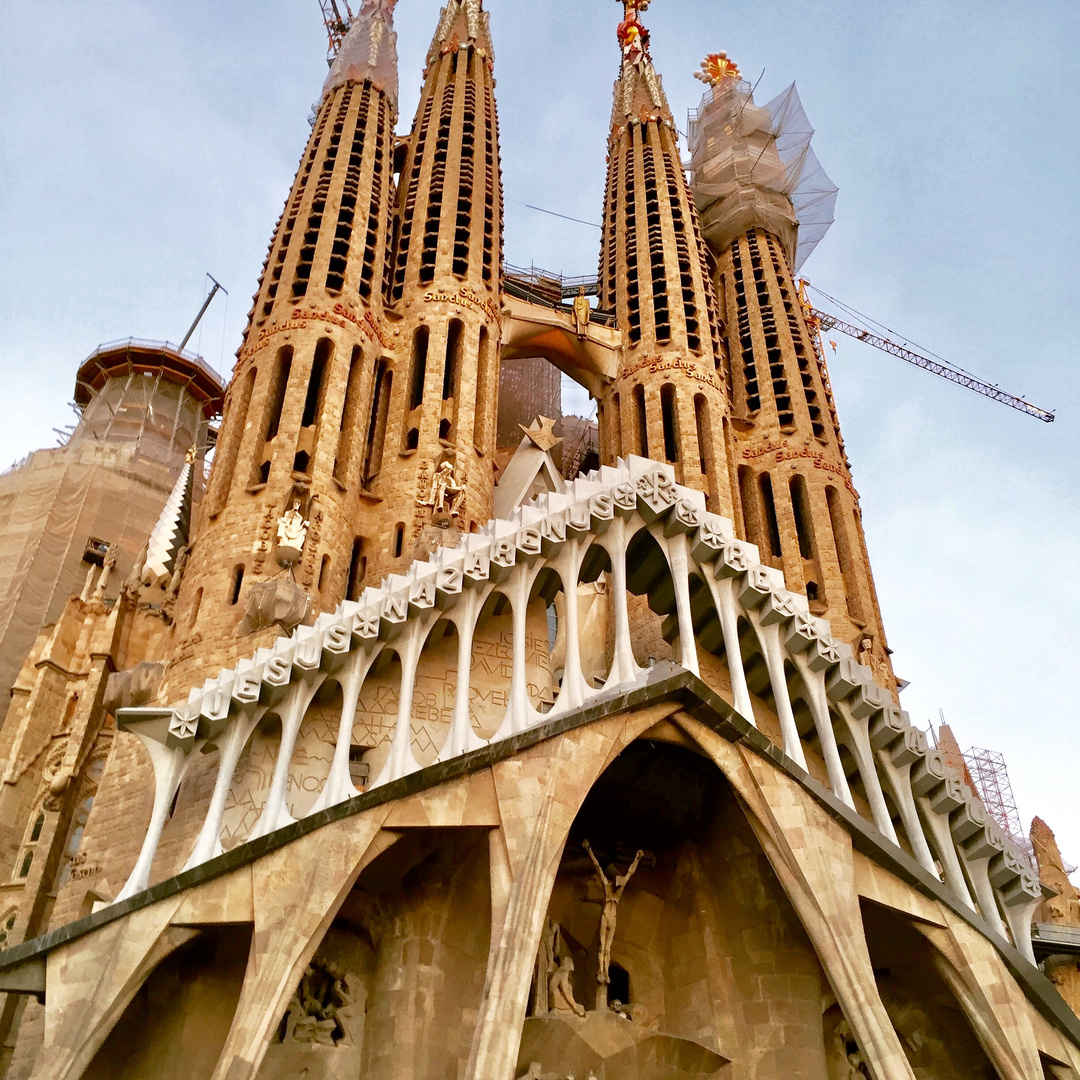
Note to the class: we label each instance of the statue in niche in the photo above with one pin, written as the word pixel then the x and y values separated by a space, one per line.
pixel 447 491
pixel 107 568
pixel 866 657
pixel 560 991
pixel 132 587
pixel 613 891
pixel 582 314
pixel 546 964
pixel 849 1052
pixel 291 533
pixel 168 604
pixel 320 1009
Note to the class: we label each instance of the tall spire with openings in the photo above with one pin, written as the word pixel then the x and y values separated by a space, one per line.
pixel 793 489
pixel 669 400
pixel 295 421
pixel 436 404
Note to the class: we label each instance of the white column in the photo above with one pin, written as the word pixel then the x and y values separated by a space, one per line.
pixel 339 785
pixel 624 668
pixel 818 701
pixel 898 777
pixel 678 559
pixel 568 566
pixel 169 765
pixel 769 636
pixel 401 760
pixel 519 713
pixel 208 843
pixel 723 594
pixel 461 738
pixel 275 814
pixel 860 747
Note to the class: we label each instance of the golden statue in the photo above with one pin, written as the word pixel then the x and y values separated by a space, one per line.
pixel 582 314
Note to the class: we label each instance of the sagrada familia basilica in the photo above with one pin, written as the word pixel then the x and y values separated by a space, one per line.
pixel 372 753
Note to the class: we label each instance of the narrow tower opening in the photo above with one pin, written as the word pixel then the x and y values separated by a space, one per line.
pixel 667 412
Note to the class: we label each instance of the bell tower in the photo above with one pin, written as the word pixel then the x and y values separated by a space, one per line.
pixel 295 426
pixel 431 465
pixel 669 398
pixel 792 484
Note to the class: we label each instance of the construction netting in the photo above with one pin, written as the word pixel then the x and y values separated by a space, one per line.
pixel 63 509
pixel 753 166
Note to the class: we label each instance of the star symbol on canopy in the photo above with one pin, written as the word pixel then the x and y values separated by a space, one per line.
pixel 542 433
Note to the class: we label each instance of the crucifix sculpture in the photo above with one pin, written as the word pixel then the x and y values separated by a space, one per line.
pixel 613 890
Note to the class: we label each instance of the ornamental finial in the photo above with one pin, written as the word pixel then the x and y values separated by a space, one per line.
pixel 716 67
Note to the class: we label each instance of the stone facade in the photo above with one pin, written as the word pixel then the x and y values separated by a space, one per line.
pixel 392 787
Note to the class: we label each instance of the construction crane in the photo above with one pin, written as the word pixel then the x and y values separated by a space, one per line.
pixel 337 26
pixel 821 321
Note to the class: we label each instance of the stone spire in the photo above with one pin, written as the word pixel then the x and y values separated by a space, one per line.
pixel 793 489
pixel 669 399
pixel 432 467
pixel 296 421
pixel 368 52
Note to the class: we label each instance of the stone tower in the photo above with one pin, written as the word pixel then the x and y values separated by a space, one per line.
pixel 669 398
pixel 436 407
pixel 791 484
pixel 297 418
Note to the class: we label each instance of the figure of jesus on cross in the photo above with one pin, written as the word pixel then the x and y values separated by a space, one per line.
pixel 612 895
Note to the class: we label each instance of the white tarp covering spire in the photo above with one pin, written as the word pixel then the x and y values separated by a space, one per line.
pixel 752 166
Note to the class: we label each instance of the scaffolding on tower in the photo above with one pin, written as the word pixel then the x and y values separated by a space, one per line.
pixel 991 779
pixel 337 25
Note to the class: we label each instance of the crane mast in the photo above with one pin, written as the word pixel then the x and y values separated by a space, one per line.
pixel 819 321
pixel 336 25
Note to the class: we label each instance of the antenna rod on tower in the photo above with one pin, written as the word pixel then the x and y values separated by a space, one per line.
pixel 202 310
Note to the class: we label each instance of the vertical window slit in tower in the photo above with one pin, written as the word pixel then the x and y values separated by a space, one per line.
pixel 845 555
pixel 751 392
pixel 409 208
pixel 667 413
pixel 324 573
pixel 484 378
pixel 769 504
pixel 228 448
pixel 195 605
pixel 380 410
pixel 661 313
pixel 399 540
pixel 751 507
pixel 682 250
pixel 804 525
pixel 616 428
pixel 704 434
pixel 302 273
pixel 350 418
pixel 492 185
pixel 356 577
pixel 460 265
pixel 642 420
pixel 236 580
pixel 292 208
pixel 429 249
pixel 417 375
pixel 633 301
pixel 375 203
pixel 275 400
pixel 784 414
pixel 313 402
pixel 339 254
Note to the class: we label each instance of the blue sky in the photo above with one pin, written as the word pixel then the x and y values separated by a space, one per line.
pixel 142 145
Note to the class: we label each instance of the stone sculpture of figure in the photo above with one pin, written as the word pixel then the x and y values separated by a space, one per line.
pixel 292 528
pixel 447 492
pixel 612 895
pixel 169 602
pixel 560 992
pixel 582 314
pixel 535 1072
pixel 132 587
pixel 107 568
